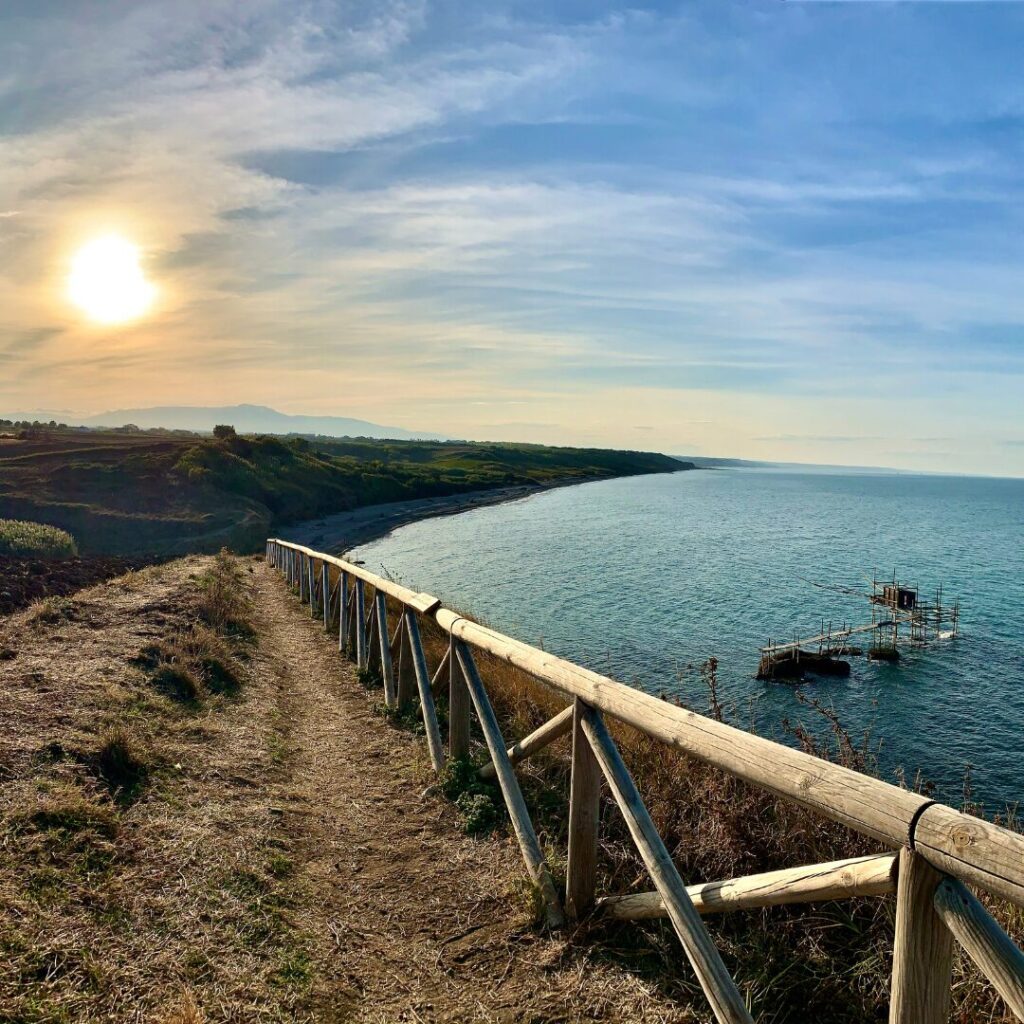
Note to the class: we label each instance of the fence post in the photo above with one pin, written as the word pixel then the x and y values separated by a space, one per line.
pixel 387 670
pixel 342 610
pixel 922 958
pixel 529 844
pixel 458 709
pixel 419 662
pixel 325 593
pixel 360 624
pixel 584 816
pixel 406 677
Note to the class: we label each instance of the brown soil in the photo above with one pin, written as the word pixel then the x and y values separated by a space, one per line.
pixel 24 580
pixel 286 860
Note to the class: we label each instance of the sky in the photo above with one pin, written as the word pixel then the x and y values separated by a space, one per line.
pixel 771 230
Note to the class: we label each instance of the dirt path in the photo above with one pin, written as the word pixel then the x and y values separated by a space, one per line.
pixel 422 921
pixel 283 858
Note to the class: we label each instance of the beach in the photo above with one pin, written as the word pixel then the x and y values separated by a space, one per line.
pixel 336 534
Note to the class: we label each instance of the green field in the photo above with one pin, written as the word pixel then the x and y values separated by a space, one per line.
pixel 122 493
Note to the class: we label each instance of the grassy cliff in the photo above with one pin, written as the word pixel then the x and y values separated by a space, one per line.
pixel 125 493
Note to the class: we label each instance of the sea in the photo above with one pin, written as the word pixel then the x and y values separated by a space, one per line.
pixel 646 578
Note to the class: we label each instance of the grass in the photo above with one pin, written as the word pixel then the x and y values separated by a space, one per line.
pixel 118 887
pixel 126 493
pixel 21 538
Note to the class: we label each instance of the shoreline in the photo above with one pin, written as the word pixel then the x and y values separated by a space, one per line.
pixel 338 533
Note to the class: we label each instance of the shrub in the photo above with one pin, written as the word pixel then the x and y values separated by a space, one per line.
pixel 223 431
pixel 19 537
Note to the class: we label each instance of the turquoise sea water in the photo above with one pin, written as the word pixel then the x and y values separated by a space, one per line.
pixel 643 577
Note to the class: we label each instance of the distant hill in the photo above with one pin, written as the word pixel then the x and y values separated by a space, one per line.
pixel 119 492
pixel 248 419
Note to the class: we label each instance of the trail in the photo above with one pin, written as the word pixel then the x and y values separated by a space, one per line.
pixel 419 916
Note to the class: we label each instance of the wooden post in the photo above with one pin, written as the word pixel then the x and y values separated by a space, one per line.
pixel 584 818
pixel 325 593
pixel 342 610
pixel 529 844
pixel 406 675
pixel 371 635
pixel 922 958
pixel 419 662
pixel 986 943
pixel 360 623
pixel 386 668
pixel 445 661
pixel 726 1001
pixel 458 708
pixel 312 588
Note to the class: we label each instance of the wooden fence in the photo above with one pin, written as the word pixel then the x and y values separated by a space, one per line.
pixel 939 849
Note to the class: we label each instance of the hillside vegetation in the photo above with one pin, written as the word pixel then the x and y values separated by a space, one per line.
pixel 125 493
pixel 18 537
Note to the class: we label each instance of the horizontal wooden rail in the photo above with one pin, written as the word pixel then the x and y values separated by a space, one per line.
pixel 859 876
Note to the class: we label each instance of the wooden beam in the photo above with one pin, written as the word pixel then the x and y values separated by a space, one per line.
pixel 325 593
pixel 995 953
pixel 859 876
pixel 360 623
pixel 529 844
pixel 550 731
pixel 387 670
pixel 725 999
pixel 584 818
pixel 922 957
pixel 406 672
pixel 343 599
pixel 419 664
pixel 458 707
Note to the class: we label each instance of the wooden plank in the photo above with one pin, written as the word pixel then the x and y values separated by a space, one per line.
pixel 995 953
pixel 922 957
pixel 840 879
pixel 387 670
pixel 722 993
pixel 529 844
pixel 584 818
pixel 419 662
pixel 550 731
pixel 458 708
pixel 360 599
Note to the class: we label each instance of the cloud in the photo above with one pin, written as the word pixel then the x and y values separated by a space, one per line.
pixel 409 207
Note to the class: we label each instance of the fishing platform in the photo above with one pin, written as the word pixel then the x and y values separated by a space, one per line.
pixel 898 618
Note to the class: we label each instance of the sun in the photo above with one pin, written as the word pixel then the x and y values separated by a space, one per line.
pixel 107 283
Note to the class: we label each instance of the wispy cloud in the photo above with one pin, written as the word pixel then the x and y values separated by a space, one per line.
pixel 416 213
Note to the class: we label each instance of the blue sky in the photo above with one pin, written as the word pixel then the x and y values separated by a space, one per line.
pixel 771 230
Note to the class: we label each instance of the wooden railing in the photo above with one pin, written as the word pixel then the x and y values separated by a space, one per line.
pixel 939 849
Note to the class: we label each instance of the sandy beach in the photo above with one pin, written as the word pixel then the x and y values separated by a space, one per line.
pixel 338 533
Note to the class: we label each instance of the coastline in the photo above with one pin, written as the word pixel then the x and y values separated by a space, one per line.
pixel 335 534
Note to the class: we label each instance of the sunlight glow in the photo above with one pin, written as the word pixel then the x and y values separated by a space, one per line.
pixel 107 283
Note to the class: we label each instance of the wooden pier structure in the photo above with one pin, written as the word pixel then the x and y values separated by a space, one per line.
pixel 939 852
pixel 898 617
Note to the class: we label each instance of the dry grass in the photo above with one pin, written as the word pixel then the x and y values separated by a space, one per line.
pixel 130 878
